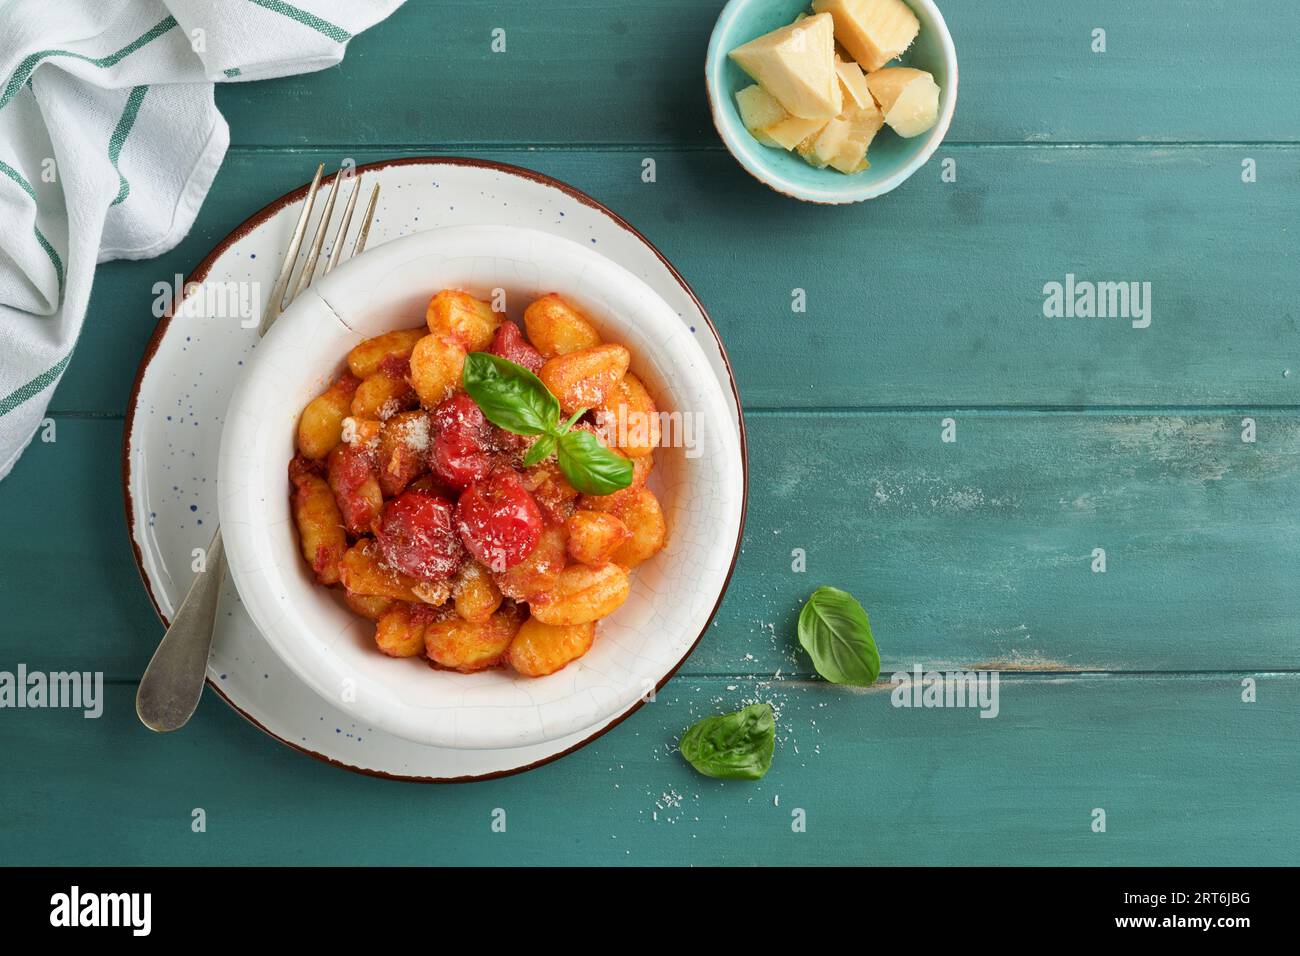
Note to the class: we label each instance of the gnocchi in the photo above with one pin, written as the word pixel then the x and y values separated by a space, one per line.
pixel 469 646
pixel 321 426
pixel 539 649
pixel 365 359
pixel 538 573
pixel 477 595
pixel 594 536
pixel 556 328
pixel 320 525
pixel 629 418
pixel 647 530
pixel 458 317
pixel 584 378
pixel 369 606
pixel 384 394
pixel 422 513
pixel 436 366
pixel 399 632
pixel 584 594
pixel 361 573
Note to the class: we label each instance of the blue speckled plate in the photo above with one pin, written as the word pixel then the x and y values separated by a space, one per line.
pixel 893 159
pixel 175 417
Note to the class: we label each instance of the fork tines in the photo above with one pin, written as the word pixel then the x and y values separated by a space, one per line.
pixel 280 295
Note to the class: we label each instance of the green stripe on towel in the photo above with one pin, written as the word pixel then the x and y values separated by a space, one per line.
pixel 17 177
pixel 50 251
pixel 120 133
pixel 28 66
pixel 34 387
pixel 306 19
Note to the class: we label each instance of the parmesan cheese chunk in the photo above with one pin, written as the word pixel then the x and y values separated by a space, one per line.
pixel 759 109
pixel 796 65
pixel 873 31
pixel 909 98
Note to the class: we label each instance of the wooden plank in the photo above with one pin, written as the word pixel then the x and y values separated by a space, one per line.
pixel 982 550
pixel 69 590
pixel 977 551
pixel 1166 758
pixel 576 71
pixel 932 296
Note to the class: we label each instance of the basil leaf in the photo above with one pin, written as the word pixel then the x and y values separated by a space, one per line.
pixel 591 467
pixel 834 630
pixel 510 396
pixel 544 447
pixel 733 746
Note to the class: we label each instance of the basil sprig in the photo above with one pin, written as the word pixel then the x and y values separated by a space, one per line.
pixel 834 630
pixel 513 398
pixel 732 746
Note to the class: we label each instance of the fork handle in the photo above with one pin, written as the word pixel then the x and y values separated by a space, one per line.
pixel 172 684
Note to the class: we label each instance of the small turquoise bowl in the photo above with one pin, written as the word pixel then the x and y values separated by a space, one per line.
pixel 892 157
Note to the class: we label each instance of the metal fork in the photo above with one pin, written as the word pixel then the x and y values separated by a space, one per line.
pixel 172 684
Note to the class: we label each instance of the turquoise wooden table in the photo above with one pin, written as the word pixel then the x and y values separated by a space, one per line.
pixel 1172 158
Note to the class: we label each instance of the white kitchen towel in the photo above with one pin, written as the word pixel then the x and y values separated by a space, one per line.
pixel 109 140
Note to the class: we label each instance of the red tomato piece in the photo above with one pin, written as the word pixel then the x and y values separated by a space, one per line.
pixel 462 451
pixel 511 345
pixel 417 536
pixel 498 520
pixel 352 478
pixel 467 447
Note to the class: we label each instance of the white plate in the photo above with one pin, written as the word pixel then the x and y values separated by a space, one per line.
pixel 175 417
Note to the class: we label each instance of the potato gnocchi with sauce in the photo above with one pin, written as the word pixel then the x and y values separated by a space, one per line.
pixel 425 515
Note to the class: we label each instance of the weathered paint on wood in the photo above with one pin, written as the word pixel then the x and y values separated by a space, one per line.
pixel 978 551
pixel 1185 771
pixel 575 72
pixel 930 296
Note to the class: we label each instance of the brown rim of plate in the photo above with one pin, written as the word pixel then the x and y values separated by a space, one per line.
pixel 200 273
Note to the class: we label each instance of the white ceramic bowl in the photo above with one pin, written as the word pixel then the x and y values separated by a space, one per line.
pixel 674 595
